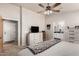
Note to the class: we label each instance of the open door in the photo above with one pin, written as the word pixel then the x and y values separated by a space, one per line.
pixel 1 34
pixel 10 32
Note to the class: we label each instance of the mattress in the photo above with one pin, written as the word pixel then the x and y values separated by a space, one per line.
pixel 61 49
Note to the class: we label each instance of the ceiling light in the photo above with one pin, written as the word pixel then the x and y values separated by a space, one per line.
pixel 48 12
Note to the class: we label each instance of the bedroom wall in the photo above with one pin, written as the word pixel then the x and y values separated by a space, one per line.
pixel 31 19
pixel 65 19
pixel 9 11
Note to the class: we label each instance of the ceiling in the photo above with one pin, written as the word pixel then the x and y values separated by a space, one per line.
pixel 65 7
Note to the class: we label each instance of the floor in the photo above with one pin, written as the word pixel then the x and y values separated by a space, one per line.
pixel 11 49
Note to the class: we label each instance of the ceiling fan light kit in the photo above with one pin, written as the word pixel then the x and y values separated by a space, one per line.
pixel 49 9
pixel 48 12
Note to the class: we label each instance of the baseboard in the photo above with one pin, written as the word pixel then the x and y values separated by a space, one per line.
pixel 9 41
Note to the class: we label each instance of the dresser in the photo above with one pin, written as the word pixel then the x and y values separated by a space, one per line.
pixel 35 38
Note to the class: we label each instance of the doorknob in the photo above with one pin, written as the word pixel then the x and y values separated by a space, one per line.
pixel 0 37
pixel 4 32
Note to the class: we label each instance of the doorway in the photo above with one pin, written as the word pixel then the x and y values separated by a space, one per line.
pixel 10 32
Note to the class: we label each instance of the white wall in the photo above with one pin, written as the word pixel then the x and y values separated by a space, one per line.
pixel 69 19
pixel 9 11
pixel 31 19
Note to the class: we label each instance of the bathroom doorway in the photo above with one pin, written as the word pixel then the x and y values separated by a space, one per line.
pixel 10 32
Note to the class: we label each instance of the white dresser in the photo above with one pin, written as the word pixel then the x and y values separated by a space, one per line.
pixel 35 38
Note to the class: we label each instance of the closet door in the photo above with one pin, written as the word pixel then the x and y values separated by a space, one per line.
pixel 1 33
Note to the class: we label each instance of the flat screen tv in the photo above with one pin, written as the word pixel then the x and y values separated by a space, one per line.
pixel 34 29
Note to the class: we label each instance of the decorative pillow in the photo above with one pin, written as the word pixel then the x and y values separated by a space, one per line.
pixel 42 46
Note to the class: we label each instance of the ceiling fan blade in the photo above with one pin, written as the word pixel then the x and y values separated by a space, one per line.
pixel 41 5
pixel 56 4
pixel 40 11
pixel 56 10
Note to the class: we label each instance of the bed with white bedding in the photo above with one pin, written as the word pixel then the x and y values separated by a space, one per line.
pixel 60 49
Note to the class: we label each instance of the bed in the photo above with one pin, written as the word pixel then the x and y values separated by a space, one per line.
pixel 60 49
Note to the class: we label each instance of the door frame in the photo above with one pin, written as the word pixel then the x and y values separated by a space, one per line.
pixel 15 21
pixel 1 34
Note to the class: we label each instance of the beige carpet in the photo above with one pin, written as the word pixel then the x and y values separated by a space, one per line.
pixel 11 50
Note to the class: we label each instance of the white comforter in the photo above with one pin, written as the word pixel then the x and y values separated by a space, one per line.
pixel 60 49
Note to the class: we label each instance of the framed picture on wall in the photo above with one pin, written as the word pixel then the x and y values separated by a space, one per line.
pixel 48 26
pixel 76 27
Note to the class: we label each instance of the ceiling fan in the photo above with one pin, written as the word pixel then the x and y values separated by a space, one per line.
pixel 49 9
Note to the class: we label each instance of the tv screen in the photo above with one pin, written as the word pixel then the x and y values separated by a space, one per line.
pixel 34 29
